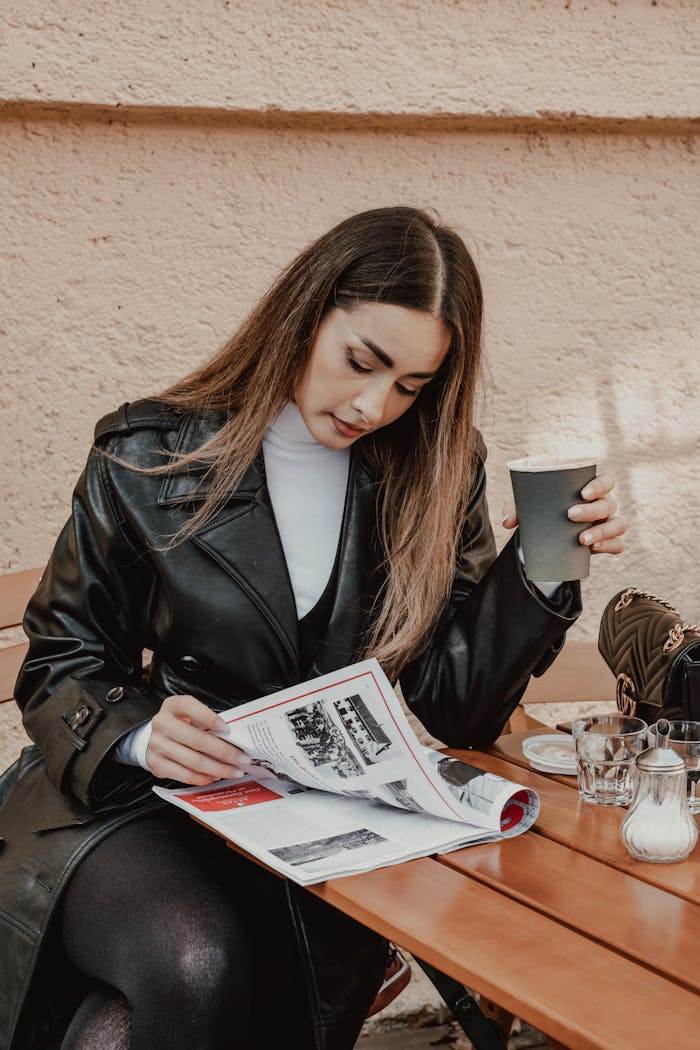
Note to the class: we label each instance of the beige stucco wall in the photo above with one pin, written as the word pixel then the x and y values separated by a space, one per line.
pixel 158 166
pixel 627 59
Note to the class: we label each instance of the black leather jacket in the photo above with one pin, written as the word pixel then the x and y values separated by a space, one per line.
pixel 218 614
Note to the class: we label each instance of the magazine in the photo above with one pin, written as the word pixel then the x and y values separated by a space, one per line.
pixel 335 782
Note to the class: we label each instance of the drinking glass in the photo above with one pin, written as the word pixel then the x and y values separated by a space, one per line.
pixel 684 739
pixel 606 747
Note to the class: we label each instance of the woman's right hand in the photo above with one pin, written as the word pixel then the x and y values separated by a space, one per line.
pixel 183 746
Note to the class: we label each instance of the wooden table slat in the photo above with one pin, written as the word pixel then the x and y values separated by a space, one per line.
pixel 592 830
pixel 579 992
pixel 510 747
pixel 603 903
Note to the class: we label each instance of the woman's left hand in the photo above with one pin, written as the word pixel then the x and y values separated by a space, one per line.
pixel 604 536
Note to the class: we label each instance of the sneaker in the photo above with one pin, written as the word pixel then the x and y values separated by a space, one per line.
pixel 396 976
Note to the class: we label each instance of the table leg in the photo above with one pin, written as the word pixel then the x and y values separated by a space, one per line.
pixel 503 1018
pixel 485 1033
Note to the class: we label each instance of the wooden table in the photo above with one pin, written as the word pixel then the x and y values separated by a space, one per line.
pixel 559 926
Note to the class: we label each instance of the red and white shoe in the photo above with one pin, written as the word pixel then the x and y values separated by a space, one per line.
pixel 396 976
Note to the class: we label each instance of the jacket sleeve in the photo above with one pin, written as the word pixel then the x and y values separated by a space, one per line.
pixel 496 631
pixel 80 685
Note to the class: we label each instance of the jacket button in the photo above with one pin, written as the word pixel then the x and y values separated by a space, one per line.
pixel 115 693
pixel 79 717
pixel 190 664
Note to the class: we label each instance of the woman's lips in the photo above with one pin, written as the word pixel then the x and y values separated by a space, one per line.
pixel 345 428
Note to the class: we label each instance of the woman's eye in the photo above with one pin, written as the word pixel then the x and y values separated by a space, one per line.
pixel 355 364
pixel 406 391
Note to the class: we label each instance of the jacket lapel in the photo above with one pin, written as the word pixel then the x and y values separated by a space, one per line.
pixel 358 579
pixel 243 540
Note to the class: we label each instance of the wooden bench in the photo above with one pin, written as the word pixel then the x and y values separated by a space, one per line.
pixel 16 588
pixel 578 674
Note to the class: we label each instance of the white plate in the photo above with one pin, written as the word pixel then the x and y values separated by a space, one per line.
pixel 550 753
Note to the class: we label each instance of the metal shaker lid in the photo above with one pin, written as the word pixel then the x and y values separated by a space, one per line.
pixel 660 759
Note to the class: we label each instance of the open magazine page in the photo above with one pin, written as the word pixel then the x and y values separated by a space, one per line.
pixel 336 782
pixel 346 732
pixel 486 795
pixel 310 835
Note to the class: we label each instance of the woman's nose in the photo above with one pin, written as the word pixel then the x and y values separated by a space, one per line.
pixel 371 403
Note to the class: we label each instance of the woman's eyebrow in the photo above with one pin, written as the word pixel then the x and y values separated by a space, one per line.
pixel 388 361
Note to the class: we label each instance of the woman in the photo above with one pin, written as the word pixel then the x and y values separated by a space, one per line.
pixel 312 495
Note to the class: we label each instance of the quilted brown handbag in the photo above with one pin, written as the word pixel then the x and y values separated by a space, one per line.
pixel 654 655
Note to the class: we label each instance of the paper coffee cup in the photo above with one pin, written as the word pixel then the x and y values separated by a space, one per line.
pixel 544 489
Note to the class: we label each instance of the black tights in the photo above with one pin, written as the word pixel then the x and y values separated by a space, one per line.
pixel 186 942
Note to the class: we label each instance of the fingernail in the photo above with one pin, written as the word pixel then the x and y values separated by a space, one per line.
pixel 587 538
pixel 574 513
pixel 586 491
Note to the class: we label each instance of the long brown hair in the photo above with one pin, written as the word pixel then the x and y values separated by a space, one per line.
pixel 424 460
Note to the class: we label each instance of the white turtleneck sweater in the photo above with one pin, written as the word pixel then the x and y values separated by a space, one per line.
pixel 307 484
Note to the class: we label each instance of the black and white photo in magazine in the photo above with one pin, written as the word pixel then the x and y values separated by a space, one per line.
pixel 320 849
pixel 343 736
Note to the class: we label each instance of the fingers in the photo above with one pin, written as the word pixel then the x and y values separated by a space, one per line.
pixel 597 510
pixel 178 762
pixel 616 546
pixel 605 537
pixel 600 504
pixel 598 487
pixel 191 710
pixel 183 746
pixel 510 517
pixel 608 527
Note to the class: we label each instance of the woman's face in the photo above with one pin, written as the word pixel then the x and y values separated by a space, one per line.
pixel 367 366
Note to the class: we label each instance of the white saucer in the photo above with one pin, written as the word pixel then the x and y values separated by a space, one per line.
pixel 550 753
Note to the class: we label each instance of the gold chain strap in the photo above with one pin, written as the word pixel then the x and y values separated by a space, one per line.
pixel 676 633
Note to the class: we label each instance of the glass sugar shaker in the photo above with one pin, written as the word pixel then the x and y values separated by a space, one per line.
pixel 659 826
